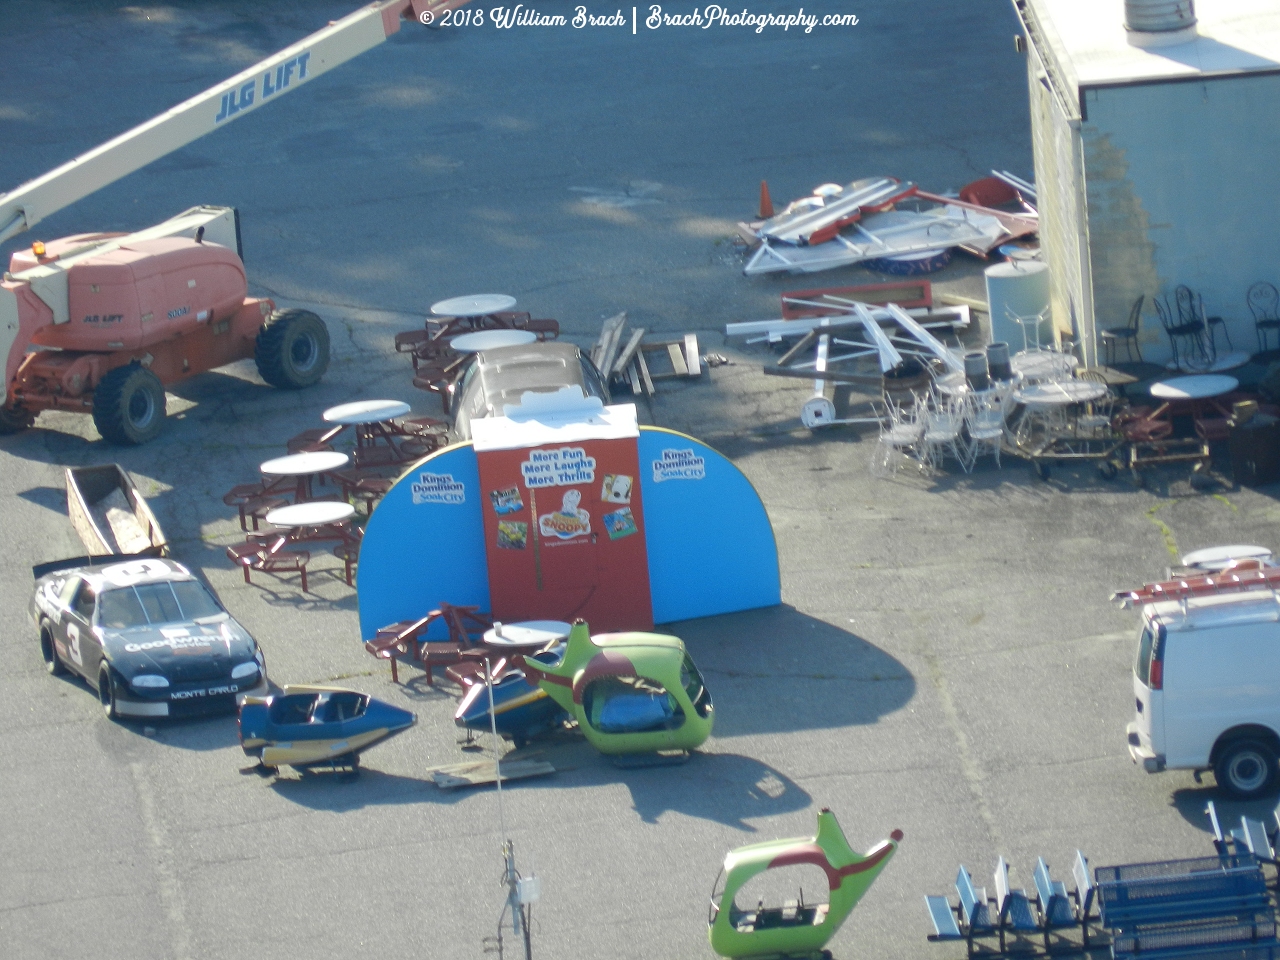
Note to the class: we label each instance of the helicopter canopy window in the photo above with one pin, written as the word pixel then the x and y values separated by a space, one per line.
pixel 790 896
pixel 294 708
pixel 630 705
pixel 344 706
pixel 693 685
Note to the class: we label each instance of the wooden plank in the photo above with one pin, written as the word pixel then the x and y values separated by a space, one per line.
pixel 691 358
pixel 607 328
pixel 644 373
pixel 955 300
pixel 629 351
pixel 610 335
pixel 676 356
pixel 633 378
pixel 657 358
pixel 481 772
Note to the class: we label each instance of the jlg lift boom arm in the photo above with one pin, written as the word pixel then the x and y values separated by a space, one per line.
pixel 24 207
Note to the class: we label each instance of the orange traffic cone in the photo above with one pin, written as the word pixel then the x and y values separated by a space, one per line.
pixel 766 204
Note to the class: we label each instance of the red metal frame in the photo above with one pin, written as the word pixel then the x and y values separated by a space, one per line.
pixel 1241 575
pixel 873 293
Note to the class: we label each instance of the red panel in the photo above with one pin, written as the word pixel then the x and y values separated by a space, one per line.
pixel 564 534
pixel 906 294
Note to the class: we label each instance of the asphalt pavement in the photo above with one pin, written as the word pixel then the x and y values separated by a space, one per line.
pixel 945 660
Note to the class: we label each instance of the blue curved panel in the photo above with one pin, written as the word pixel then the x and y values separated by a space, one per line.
pixel 711 546
pixel 424 543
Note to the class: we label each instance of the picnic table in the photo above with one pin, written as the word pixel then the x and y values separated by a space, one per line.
pixel 525 635
pixel 319 520
pixel 491 340
pixel 304 467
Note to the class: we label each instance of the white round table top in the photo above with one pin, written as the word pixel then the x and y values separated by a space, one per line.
pixel 475 305
pixel 952 384
pixel 1060 393
pixel 302 464
pixel 529 633
pixel 313 513
pixel 366 411
pixel 1221 363
pixel 1217 558
pixel 1042 364
pixel 1199 387
pixel 491 340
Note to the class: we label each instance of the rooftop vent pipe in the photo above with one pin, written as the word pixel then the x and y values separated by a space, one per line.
pixel 1159 23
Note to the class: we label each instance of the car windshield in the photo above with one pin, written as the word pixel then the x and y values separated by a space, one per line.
pixel 156 603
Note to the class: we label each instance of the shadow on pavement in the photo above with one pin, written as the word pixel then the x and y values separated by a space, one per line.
pixel 1191 802
pixel 815 675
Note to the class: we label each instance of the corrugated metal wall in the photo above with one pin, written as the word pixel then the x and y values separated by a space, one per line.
pixel 1060 185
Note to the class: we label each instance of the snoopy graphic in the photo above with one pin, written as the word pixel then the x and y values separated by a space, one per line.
pixel 569 521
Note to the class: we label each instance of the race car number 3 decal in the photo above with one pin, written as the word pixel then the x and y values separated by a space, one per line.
pixel 73 635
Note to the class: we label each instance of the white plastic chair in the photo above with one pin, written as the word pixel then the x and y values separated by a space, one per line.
pixel 943 429
pixel 1034 322
pixel 901 430
pixel 985 421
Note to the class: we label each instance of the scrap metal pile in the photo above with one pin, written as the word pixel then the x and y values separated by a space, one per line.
pixel 860 222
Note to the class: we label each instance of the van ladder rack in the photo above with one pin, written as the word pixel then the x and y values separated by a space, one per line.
pixel 1245 575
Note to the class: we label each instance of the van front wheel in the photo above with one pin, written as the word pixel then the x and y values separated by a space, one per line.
pixel 1246 768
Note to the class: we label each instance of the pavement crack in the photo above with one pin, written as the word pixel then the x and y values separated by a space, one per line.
pixel 162 851
pixel 1170 541
pixel 972 770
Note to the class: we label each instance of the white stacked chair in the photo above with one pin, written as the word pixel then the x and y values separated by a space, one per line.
pixel 985 423
pixel 944 420
pixel 901 432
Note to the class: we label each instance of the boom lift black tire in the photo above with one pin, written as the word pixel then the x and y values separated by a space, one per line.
pixel 292 349
pixel 128 405
pixel 15 419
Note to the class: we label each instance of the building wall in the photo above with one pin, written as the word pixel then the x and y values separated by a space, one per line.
pixel 1183 187
pixel 1059 163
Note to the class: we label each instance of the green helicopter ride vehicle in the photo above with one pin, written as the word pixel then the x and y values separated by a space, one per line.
pixel 793 928
pixel 631 693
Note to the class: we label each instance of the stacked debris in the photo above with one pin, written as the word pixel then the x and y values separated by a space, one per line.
pixel 862 223
pixel 639 362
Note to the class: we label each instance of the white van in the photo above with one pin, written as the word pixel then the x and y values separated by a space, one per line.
pixel 1207 683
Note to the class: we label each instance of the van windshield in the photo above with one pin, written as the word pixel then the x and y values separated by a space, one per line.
pixel 1143 667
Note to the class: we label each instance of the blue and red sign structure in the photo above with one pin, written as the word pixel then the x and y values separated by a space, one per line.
pixel 569 509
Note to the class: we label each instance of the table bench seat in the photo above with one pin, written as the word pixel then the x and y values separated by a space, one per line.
pixel 1194 938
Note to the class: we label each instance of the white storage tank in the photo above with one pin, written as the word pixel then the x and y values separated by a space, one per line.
pixel 1019 288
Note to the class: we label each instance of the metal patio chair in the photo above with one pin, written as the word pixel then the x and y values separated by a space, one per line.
pixel 1191 310
pixel 1186 340
pixel 1128 334
pixel 1264 304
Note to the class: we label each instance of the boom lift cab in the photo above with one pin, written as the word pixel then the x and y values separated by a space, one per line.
pixel 103 322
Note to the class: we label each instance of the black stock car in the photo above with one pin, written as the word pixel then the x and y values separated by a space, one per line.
pixel 149 636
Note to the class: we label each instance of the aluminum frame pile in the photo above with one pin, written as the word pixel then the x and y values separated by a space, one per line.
pixel 831 348
pixel 838 226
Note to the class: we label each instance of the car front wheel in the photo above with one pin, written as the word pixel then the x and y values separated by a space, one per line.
pixel 1246 768
pixel 49 650
pixel 107 693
